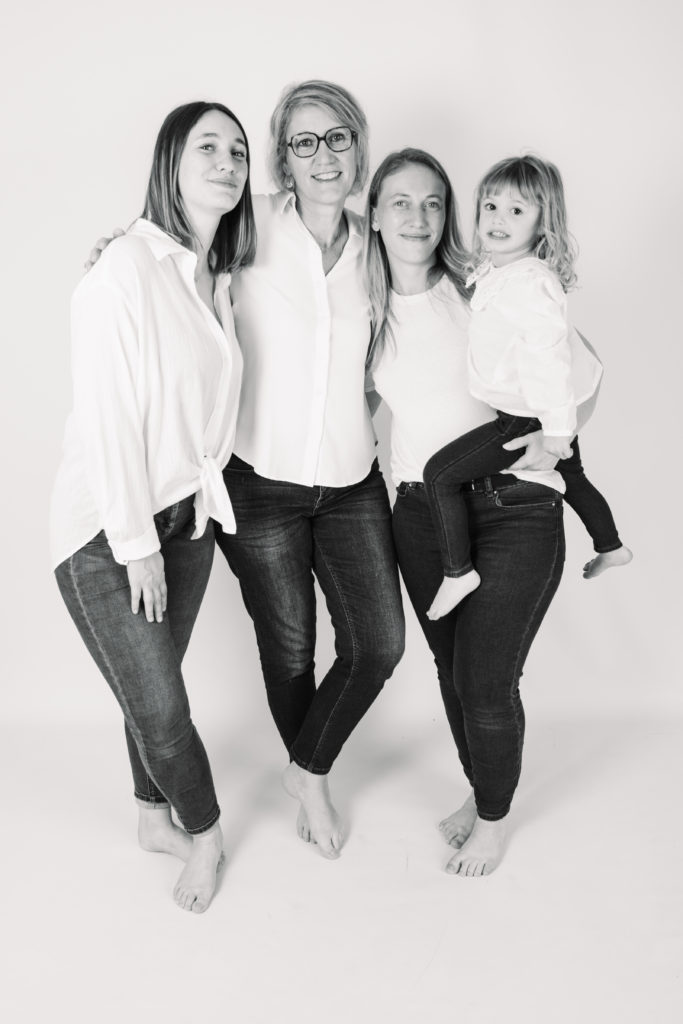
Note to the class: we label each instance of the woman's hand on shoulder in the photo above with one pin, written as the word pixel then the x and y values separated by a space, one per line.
pixel 535 457
pixel 147 581
pixel 100 245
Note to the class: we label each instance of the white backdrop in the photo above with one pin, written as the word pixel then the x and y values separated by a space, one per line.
pixel 593 86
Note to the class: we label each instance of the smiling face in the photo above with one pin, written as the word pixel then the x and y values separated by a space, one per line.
pixel 508 226
pixel 410 216
pixel 213 167
pixel 326 177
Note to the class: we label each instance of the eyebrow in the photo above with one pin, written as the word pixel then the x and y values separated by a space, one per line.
pixel 407 195
pixel 214 135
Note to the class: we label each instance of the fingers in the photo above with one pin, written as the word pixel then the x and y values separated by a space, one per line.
pixel 135 594
pixel 155 596
pixel 518 442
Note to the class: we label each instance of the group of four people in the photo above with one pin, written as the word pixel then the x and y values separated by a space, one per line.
pixel 227 355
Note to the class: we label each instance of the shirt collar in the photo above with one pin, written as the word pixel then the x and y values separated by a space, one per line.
pixel 287 201
pixel 160 243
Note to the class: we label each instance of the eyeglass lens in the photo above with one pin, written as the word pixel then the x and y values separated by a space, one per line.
pixel 336 139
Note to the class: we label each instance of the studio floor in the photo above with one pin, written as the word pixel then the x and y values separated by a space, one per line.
pixel 581 922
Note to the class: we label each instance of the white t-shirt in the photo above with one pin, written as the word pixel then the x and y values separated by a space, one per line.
pixel 422 377
pixel 304 337
pixel 524 357
pixel 156 386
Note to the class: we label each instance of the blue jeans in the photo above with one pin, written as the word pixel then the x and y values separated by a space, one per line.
pixel 286 533
pixel 141 660
pixel 480 647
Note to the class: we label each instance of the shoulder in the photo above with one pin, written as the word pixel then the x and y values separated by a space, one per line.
pixel 122 265
pixel 522 285
pixel 355 221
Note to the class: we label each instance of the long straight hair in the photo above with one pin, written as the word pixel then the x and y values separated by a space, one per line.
pixel 538 182
pixel 234 244
pixel 450 257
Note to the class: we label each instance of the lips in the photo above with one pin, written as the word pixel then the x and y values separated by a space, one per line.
pixel 327 176
pixel 498 234
pixel 223 182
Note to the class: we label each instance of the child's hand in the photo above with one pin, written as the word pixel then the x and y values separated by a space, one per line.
pixel 560 447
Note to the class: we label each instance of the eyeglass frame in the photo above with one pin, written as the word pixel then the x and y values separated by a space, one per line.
pixel 323 138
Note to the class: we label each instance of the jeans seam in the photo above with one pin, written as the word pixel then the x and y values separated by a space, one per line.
pixel 120 694
pixel 354 648
pixel 526 630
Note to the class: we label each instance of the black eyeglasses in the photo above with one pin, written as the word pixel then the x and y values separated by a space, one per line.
pixel 338 139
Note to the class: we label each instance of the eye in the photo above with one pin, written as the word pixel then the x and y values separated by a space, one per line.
pixel 517 211
pixel 304 143
pixel 400 202
pixel 337 136
pixel 208 147
pixel 434 204
pixel 489 206
pixel 239 154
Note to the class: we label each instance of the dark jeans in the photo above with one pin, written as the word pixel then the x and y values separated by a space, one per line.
pixel 479 453
pixel 588 503
pixel 480 647
pixel 141 660
pixel 286 533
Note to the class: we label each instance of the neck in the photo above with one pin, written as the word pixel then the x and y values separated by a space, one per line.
pixel 407 279
pixel 324 222
pixel 204 227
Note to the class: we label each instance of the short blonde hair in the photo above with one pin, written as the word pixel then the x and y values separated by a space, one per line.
pixel 320 94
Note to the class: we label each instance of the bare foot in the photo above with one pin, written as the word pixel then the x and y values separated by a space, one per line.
pixel 606 560
pixel 303 829
pixel 158 834
pixel 324 824
pixel 197 883
pixel 482 852
pixel 456 828
pixel 451 593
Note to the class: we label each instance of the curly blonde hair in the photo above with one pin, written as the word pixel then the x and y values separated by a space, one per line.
pixel 539 182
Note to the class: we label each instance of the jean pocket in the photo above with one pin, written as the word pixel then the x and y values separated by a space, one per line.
pixel 527 495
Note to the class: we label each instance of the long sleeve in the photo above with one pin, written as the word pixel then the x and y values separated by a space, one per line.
pixel 542 351
pixel 105 355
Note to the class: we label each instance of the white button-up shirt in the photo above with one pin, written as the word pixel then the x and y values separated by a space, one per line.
pixel 156 387
pixel 304 338
pixel 524 358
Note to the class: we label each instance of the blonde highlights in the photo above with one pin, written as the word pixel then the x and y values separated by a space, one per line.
pixel 538 182
pixel 450 257
pixel 343 105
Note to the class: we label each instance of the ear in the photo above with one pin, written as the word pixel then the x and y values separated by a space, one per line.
pixel 373 221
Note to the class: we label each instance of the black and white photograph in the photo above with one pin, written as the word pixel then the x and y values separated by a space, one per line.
pixel 342 584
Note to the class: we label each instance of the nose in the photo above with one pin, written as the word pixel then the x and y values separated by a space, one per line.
pixel 226 163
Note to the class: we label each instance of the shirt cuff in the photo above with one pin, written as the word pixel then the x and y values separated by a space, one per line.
pixel 129 550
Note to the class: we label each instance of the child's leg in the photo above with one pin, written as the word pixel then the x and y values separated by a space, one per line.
pixel 476 454
pixel 595 514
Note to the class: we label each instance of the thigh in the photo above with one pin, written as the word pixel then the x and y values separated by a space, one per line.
pixel 355 562
pixel 272 556
pixel 138 658
pixel 419 560
pixel 187 567
pixel 518 550
pixel 479 452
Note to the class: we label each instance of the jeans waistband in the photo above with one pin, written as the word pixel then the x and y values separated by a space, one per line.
pixel 495 482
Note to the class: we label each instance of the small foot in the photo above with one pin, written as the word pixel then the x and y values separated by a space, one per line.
pixel 158 834
pixel 451 592
pixel 606 560
pixel 482 852
pixel 457 827
pixel 197 883
pixel 323 825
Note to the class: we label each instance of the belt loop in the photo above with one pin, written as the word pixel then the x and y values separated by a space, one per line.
pixel 488 486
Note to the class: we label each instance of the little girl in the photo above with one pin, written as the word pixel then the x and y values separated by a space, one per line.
pixel 525 361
